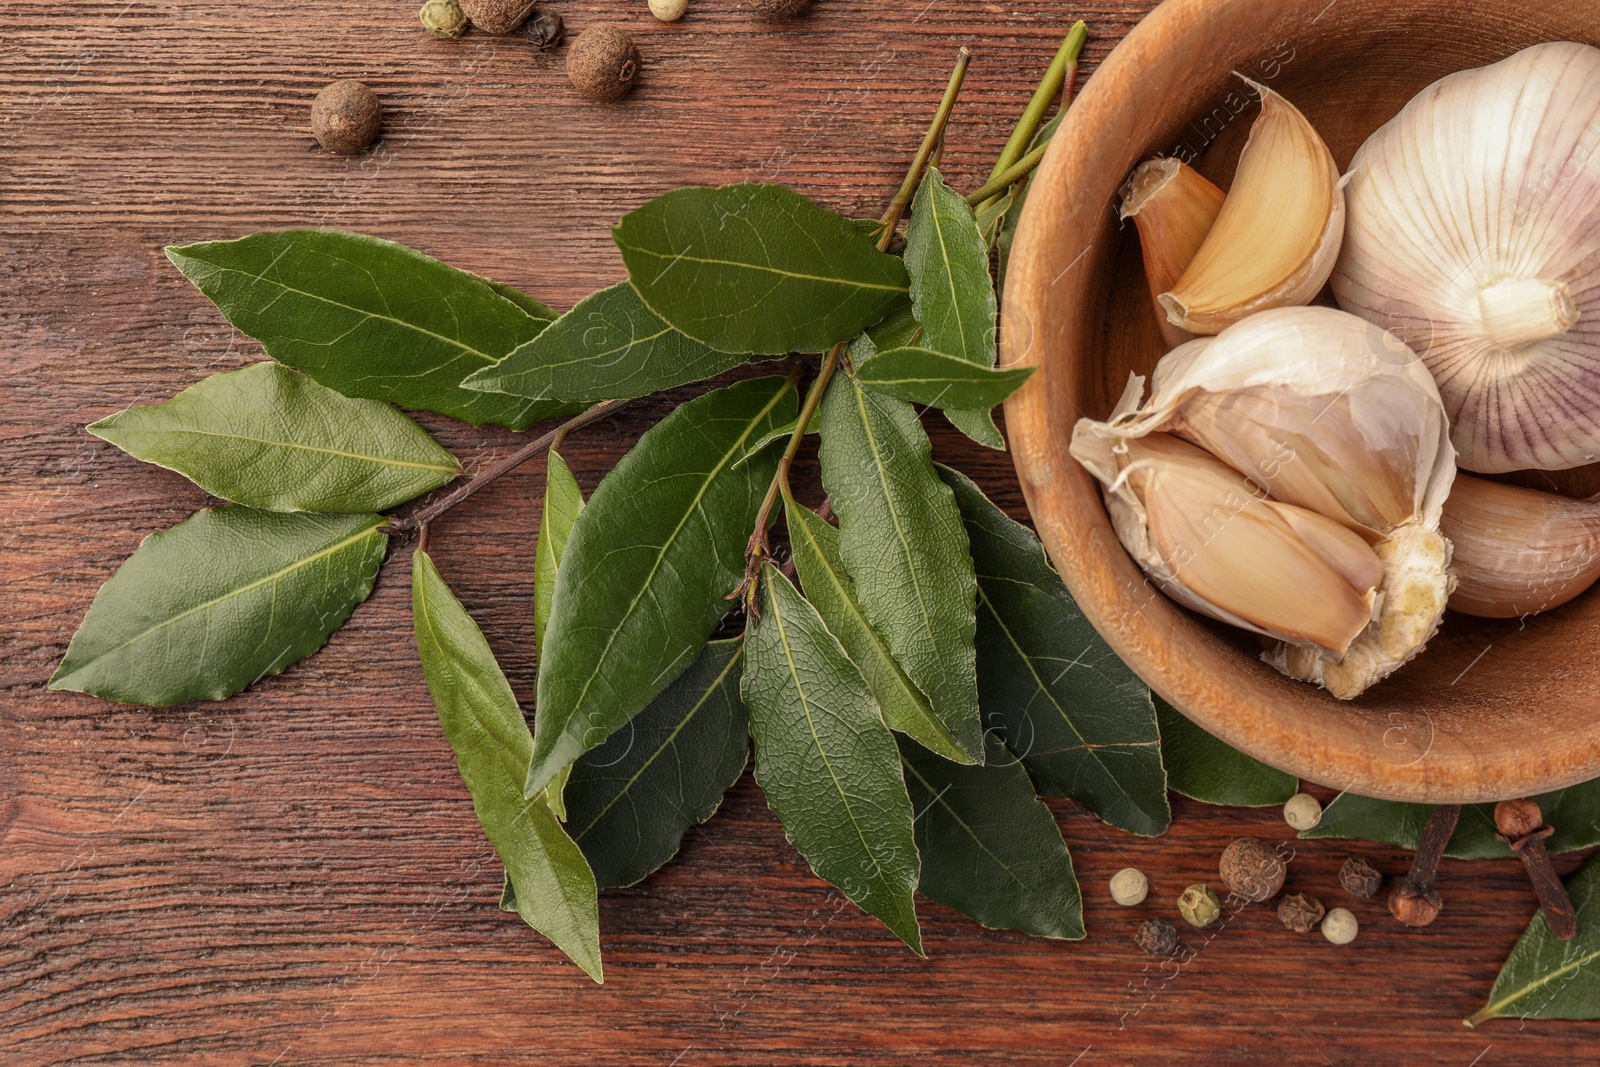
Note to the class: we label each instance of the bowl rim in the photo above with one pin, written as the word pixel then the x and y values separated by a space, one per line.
pixel 1204 678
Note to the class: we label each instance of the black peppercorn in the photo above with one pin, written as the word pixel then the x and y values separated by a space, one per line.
pixel 546 30
pixel 1157 937
pixel 1360 878
pixel 1300 913
pixel 346 117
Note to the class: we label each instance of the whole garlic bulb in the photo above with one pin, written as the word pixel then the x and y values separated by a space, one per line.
pixel 1339 451
pixel 1473 232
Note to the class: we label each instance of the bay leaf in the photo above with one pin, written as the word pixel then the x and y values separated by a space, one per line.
pixel 370 318
pixel 531 304
pixel 1205 769
pixel 649 562
pixel 223 599
pixel 269 437
pixel 1549 979
pixel 630 800
pixel 1082 723
pixel 903 543
pixel 607 347
pixel 757 269
pixel 1574 814
pixel 989 848
pixel 953 296
pixel 899 328
pixel 558 514
pixel 923 376
pixel 825 760
pixel 548 879
pixel 830 590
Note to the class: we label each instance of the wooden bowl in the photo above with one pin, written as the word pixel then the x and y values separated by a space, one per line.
pixel 1492 709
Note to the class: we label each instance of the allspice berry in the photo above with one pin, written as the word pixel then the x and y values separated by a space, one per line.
pixel 1157 937
pixel 345 117
pixel 1300 913
pixel 781 9
pixel 497 16
pixel 443 18
pixel 1199 906
pixel 1360 878
pixel 1252 870
pixel 603 63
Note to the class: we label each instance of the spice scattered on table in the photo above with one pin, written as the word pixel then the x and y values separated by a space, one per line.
pixel 1303 811
pixel 1199 906
pixel 346 117
pixel 546 30
pixel 443 19
pixel 668 10
pixel 497 16
pixel 1129 886
pixel 781 9
pixel 1300 912
pixel 1360 878
pixel 1157 937
pixel 1252 870
pixel 1340 926
pixel 603 63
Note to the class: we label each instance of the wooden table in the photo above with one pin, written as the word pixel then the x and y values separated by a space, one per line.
pixel 295 875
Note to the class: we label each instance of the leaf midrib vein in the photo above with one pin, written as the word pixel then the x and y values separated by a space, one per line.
pixel 799 275
pixel 304 448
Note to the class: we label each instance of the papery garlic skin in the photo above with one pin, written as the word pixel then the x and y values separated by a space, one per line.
pixel 1323 411
pixel 1278 234
pixel 1519 551
pixel 1474 233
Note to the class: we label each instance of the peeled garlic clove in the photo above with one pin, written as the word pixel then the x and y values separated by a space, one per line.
pixel 1278 235
pixel 1173 208
pixel 1519 551
pixel 1314 409
pixel 1216 544
pixel 1474 233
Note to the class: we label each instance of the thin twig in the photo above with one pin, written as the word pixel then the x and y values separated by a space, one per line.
pixel 1011 176
pixel 1063 72
pixel 408 525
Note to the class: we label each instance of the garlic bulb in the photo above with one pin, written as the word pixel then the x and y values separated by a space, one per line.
pixel 1474 233
pixel 1174 208
pixel 1519 551
pixel 1278 234
pixel 1331 426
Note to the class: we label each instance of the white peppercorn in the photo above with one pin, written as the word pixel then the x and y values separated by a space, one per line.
pixel 1129 886
pixel 1340 926
pixel 668 10
pixel 1303 811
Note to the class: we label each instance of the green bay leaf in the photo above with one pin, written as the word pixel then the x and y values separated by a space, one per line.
pixel 1549 979
pixel 531 304
pixel 1081 722
pixel 902 541
pixel 757 269
pixel 650 560
pixel 1204 769
pixel 370 318
pixel 548 880
pixel 1573 812
pixel 953 296
pixel 223 599
pixel 832 592
pixel 630 801
pixel 923 376
pixel 825 760
pixel 563 502
pixel 608 347
pixel 989 848
pixel 269 437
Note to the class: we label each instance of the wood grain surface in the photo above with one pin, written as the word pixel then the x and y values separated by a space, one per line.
pixel 296 875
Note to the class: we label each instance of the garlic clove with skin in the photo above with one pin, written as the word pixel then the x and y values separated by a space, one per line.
pixel 1474 233
pixel 1311 409
pixel 1278 234
pixel 1173 207
pixel 1519 551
